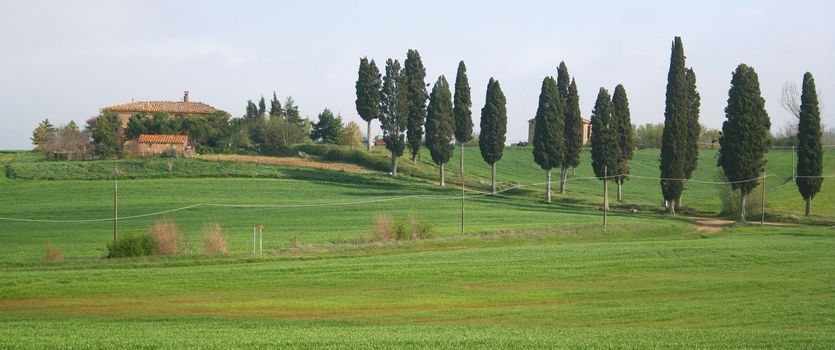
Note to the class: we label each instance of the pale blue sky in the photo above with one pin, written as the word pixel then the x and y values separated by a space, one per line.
pixel 63 60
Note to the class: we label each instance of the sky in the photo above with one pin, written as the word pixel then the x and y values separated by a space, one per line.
pixel 65 60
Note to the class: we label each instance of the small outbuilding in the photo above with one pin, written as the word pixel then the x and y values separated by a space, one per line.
pixel 171 145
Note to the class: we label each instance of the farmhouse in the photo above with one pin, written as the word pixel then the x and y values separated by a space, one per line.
pixel 175 145
pixel 586 130
pixel 184 107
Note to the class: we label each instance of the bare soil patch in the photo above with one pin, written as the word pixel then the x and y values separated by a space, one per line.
pixel 286 161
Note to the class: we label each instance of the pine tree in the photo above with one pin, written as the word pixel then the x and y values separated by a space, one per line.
pixel 42 134
pixel 439 125
pixel 693 126
pixel 622 127
pixel 462 104
pixel 368 94
pixel 744 139
pixel 394 107
pixel 493 127
pixel 417 96
pixel 809 148
pixel 548 138
pixel 328 128
pixel 251 111
pixel 573 133
pixel 674 138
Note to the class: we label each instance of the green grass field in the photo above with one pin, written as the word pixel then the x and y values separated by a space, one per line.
pixel 526 275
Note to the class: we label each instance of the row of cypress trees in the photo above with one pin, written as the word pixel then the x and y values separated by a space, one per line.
pixel 399 100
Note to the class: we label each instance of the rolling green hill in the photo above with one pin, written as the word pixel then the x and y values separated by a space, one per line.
pixel 526 274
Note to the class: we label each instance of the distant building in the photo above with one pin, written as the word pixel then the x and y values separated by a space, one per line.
pixel 174 145
pixel 586 130
pixel 127 110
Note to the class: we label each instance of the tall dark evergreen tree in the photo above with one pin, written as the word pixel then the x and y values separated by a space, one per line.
pixel 251 111
pixel 394 107
pixel 674 138
pixel 328 128
pixel 368 94
pixel 744 138
pixel 275 107
pixel 262 107
pixel 493 127
pixel 439 125
pixel 417 95
pixel 605 151
pixel 622 127
pixel 809 148
pixel 462 104
pixel 693 126
pixel 573 132
pixel 548 138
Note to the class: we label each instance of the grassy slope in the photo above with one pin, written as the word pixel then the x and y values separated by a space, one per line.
pixel 646 282
pixel 643 288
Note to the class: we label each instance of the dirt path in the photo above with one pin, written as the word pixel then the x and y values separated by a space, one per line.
pixel 286 161
pixel 710 225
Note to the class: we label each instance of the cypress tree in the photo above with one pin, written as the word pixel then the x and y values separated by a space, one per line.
pixel 493 127
pixel 622 128
pixel 693 126
pixel 275 107
pixel 416 92
pixel 439 121
pixel 573 132
pixel 548 138
pixel 744 138
pixel 461 108
pixel 394 108
pixel 673 140
pixel 809 148
pixel 262 107
pixel 368 94
pixel 605 151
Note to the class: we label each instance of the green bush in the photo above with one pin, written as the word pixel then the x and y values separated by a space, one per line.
pixel 131 245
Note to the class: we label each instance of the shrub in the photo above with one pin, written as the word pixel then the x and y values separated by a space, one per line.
pixel 52 253
pixel 130 245
pixel 165 236
pixel 213 240
pixel 386 229
pixel 419 229
pixel 383 228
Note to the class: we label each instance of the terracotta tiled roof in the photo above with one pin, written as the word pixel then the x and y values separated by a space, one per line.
pixel 166 139
pixel 163 106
